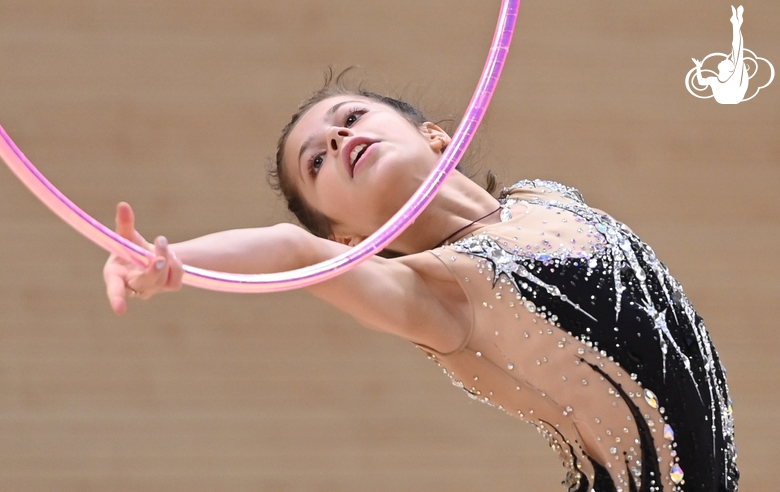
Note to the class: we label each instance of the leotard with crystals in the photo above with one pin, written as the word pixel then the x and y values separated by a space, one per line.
pixel 581 331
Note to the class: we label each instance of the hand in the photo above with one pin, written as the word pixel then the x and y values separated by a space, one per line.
pixel 697 62
pixel 124 278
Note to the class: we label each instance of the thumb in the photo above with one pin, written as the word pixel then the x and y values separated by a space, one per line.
pixel 125 220
pixel 125 225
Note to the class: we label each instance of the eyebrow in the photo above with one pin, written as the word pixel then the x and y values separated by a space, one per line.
pixel 329 114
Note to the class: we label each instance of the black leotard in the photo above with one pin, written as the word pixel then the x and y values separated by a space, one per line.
pixel 580 330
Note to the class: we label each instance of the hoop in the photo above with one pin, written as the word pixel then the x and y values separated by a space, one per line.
pixel 303 277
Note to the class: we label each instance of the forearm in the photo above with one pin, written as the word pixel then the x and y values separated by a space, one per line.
pixel 260 250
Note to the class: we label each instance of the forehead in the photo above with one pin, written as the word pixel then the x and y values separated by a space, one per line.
pixel 319 110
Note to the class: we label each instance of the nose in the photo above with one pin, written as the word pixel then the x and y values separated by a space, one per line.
pixel 336 137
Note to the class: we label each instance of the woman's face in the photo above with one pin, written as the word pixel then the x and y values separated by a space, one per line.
pixel 357 161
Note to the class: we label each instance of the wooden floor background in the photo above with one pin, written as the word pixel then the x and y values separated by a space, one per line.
pixel 175 106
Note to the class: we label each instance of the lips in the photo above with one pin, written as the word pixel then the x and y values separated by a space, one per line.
pixel 354 151
pixel 357 151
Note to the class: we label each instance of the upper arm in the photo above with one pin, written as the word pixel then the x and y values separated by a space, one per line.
pixel 424 305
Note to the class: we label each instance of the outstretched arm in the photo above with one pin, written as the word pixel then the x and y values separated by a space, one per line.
pixel 414 299
pixel 260 250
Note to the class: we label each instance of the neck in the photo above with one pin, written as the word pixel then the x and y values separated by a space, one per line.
pixel 460 207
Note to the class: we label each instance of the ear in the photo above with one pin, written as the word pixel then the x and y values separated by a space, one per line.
pixel 346 239
pixel 437 138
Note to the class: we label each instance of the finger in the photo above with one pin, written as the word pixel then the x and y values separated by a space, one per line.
pixel 161 250
pixel 152 279
pixel 115 288
pixel 119 305
pixel 125 220
pixel 161 246
pixel 155 276
pixel 175 271
pixel 125 225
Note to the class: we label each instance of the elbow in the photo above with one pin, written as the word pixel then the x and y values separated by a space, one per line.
pixel 295 243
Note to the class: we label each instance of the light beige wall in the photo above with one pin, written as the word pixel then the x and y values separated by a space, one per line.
pixel 174 106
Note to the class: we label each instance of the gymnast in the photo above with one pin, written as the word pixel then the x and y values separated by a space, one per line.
pixel 532 302
pixel 731 84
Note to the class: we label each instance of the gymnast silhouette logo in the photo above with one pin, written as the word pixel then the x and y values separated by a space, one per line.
pixel 730 84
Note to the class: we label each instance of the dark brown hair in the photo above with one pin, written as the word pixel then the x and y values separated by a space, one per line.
pixel 335 85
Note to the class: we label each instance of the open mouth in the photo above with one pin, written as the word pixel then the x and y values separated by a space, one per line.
pixel 357 153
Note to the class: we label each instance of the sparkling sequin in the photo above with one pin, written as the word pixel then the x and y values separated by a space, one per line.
pixel 651 399
pixel 676 473
pixel 668 432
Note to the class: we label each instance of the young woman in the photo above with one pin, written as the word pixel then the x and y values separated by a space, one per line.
pixel 534 303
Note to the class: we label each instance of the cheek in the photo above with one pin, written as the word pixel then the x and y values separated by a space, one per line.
pixel 328 194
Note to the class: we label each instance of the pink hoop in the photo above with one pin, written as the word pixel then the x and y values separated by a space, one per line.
pixel 206 279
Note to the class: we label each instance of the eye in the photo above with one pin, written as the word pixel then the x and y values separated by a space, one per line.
pixel 315 163
pixel 354 115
